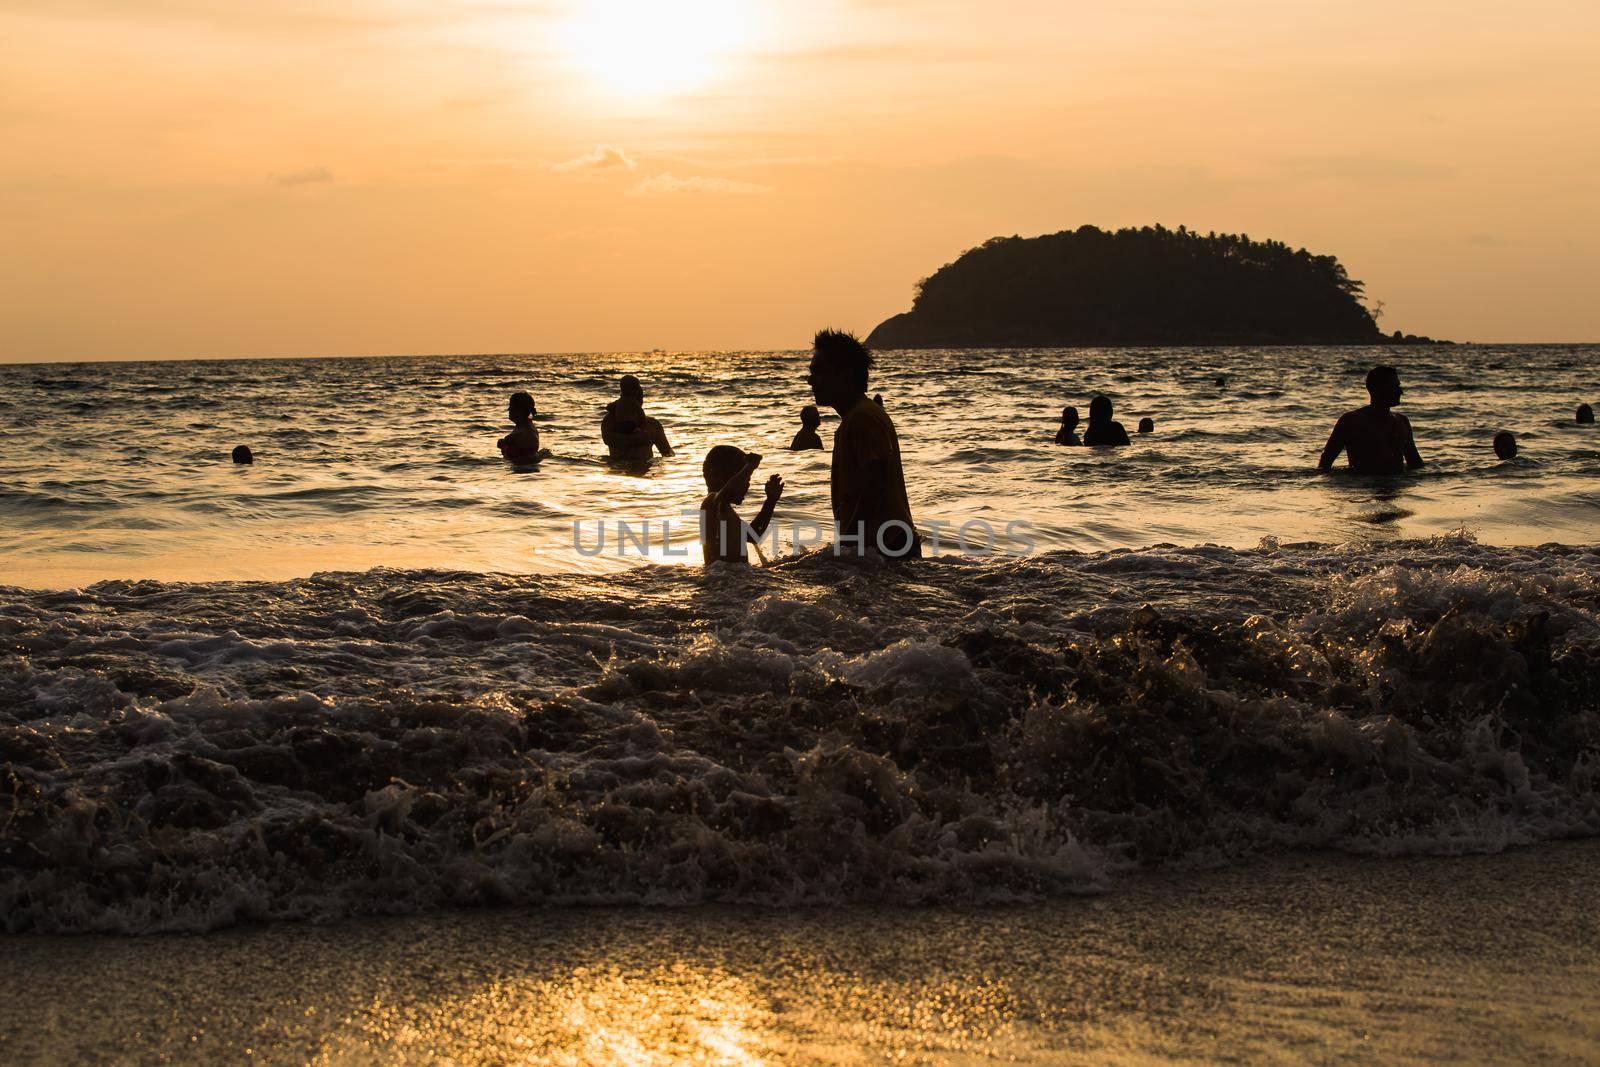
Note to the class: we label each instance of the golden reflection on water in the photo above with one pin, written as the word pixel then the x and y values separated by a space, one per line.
pixel 704 1017
pixel 681 1013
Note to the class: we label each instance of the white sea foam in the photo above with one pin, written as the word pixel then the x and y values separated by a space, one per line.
pixel 182 757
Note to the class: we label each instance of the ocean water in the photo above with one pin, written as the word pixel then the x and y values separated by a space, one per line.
pixel 423 701
pixel 121 470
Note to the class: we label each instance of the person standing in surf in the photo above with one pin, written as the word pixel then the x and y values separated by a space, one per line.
pixel 629 434
pixel 868 486
pixel 807 437
pixel 723 534
pixel 1103 429
pixel 1067 433
pixel 1377 438
pixel 521 445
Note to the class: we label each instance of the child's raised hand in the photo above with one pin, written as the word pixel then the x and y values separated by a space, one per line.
pixel 774 487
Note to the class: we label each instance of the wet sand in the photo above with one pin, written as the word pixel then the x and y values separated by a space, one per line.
pixel 1486 959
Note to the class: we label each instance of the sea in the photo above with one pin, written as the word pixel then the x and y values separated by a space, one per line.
pixel 383 671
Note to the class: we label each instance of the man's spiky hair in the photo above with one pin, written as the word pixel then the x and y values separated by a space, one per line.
pixel 844 349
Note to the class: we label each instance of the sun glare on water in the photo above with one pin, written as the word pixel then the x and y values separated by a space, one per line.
pixel 646 49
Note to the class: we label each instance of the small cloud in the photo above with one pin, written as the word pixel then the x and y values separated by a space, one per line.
pixel 672 185
pixel 309 176
pixel 604 157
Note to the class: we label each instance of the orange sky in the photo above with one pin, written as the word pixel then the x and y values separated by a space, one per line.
pixel 194 178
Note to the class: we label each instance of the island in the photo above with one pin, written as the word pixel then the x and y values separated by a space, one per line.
pixel 1145 286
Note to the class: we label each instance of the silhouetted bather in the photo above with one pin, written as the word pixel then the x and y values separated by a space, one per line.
pixel 727 472
pixel 1585 414
pixel 630 435
pixel 868 483
pixel 807 438
pixel 1505 445
pixel 1067 432
pixel 1377 439
pixel 1103 430
pixel 521 445
pixel 1147 425
pixel 242 454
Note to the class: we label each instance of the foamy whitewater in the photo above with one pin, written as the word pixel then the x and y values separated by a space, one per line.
pixel 1341 671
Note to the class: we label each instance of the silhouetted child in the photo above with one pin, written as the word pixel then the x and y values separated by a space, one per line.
pixel 1147 425
pixel 242 454
pixel 1103 430
pixel 806 438
pixel 727 472
pixel 1585 414
pixel 522 444
pixel 1505 445
pixel 1377 438
pixel 1067 432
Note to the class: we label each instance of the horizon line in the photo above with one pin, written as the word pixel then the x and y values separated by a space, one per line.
pixel 734 351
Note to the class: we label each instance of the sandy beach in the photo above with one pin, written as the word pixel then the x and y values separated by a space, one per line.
pixel 1309 959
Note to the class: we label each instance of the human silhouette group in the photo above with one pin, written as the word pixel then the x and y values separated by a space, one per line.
pixel 867 486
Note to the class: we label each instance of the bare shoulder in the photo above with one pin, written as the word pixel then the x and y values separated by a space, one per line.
pixel 1401 419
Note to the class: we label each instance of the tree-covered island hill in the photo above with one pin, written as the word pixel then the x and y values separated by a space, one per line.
pixel 1146 286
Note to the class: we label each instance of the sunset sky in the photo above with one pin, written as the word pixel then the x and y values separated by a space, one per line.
pixel 194 178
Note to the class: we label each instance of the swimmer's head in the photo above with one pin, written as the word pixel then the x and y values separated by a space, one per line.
pixel 1069 417
pixel 1099 408
pixel 629 386
pixel 1383 385
pixel 1585 414
pixel 522 407
pixel 723 463
pixel 1147 425
pixel 242 454
pixel 810 417
pixel 1505 445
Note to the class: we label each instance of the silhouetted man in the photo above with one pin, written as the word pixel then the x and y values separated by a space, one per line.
pixel 868 483
pixel 807 437
pixel 1103 429
pixel 630 435
pixel 1377 439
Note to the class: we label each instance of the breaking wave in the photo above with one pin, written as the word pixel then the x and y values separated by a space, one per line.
pixel 186 756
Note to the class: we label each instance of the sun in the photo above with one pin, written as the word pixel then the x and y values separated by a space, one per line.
pixel 655 48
